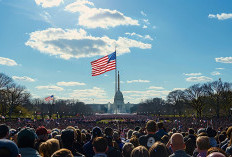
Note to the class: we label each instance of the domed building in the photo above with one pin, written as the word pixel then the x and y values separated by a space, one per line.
pixel 118 106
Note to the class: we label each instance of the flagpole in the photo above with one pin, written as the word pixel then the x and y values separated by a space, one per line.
pixel 115 71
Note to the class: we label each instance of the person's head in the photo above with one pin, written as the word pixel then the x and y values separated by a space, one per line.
pixel 216 154
pixel 160 125
pixel 46 149
pixel 191 131
pixel 8 148
pixel 158 149
pixel 26 138
pixel 165 139
pixel 221 138
pixel 215 149
pixel 211 132
pixel 151 126
pixel 127 149
pixel 108 131
pixel 62 153
pixel 116 136
pixel 202 143
pixel 99 145
pixel 129 134
pixel 96 132
pixel 140 151
pixel 67 137
pixel 177 142
pixel 4 131
pixel 137 128
pixel 135 141
pixel 42 133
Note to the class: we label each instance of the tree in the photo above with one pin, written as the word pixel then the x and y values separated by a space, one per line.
pixel 195 96
pixel 15 95
pixel 176 98
pixel 216 91
pixel 4 82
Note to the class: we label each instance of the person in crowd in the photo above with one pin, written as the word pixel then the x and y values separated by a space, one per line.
pixel 178 146
pixel 135 141
pixel 88 147
pixel 8 148
pixel 129 134
pixel 211 134
pixel 46 149
pixel 140 151
pixel 118 140
pixel 127 149
pixel 26 143
pixel 100 147
pixel 229 147
pixel 165 139
pixel 62 153
pixel 216 154
pixel 225 143
pixel 150 138
pixel 67 141
pixel 158 149
pixel 42 134
pixel 161 132
pixel 216 149
pixel 4 131
pixel 203 145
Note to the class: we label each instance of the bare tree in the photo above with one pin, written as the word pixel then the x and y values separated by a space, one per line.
pixel 195 96
pixel 15 95
pixel 216 91
pixel 176 98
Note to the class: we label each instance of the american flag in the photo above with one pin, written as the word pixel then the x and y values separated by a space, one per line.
pixel 104 64
pixel 49 98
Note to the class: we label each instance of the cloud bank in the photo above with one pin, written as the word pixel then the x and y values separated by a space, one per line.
pixel 92 17
pixel 72 43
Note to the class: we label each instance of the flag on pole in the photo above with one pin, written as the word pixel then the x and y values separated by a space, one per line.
pixel 104 64
pixel 49 98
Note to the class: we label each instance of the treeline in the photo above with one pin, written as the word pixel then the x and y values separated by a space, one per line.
pixel 16 100
pixel 208 99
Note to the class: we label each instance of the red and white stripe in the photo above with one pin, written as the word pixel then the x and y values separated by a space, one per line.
pixel 101 66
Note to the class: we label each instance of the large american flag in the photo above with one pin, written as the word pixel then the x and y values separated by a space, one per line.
pixel 104 64
pixel 49 98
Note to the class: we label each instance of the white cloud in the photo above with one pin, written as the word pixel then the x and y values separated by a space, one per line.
pixel 154 27
pixel 97 17
pixel 94 93
pixel 23 78
pixel 144 26
pixel 215 73
pixel 199 79
pixel 48 3
pixel 178 89
pixel 54 88
pixel 222 16
pixel 138 81
pixel 70 84
pixel 156 88
pixel 140 36
pixel 224 59
pixel 138 96
pixel 7 61
pixel 146 21
pixel 220 68
pixel 143 13
pixel 46 16
pixel 72 43
pixel 192 74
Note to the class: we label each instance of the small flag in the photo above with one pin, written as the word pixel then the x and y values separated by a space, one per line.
pixel 49 98
pixel 104 64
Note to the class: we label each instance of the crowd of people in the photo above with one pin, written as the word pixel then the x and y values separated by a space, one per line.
pixel 119 136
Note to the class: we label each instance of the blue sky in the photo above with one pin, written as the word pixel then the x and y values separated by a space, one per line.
pixel 47 46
